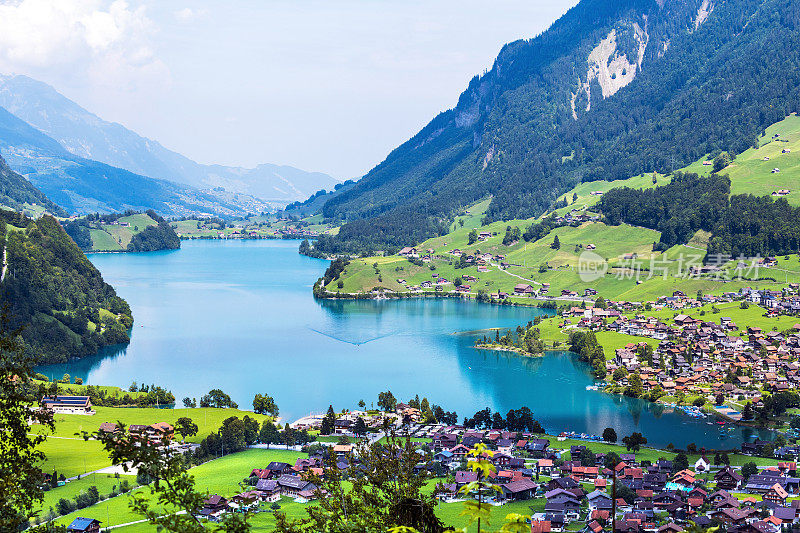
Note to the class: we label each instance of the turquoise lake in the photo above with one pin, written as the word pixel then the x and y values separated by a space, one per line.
pixel 240 316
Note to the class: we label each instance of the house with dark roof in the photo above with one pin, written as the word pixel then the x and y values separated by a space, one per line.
pixel 68 405
pixel 84 525
pixel 520 489
pixel 296 486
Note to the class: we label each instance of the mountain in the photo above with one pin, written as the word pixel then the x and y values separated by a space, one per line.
pixel 16 191
pixel 612 89
pixel 85 186
pixel 86 135
pixel 49 286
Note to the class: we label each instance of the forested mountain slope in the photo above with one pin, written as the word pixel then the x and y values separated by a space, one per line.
pixel 84 134
pixel 611 90
pixel 16 191
pixel 52 290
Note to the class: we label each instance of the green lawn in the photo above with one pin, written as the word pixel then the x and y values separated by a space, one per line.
pixel 73 456
pixel 220 476
pixel 102 241
pixel 207 419
pixel 104 483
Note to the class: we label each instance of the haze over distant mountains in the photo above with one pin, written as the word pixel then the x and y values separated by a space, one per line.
pixel 86 135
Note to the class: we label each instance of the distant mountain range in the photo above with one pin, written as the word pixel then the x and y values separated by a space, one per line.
pixel 86 135
pixel 85 186
pixel 613 89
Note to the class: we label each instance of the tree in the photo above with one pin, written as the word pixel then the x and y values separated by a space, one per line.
pixel 634 441
pixel 189 402
pixel 385 491
pixel 609 435
pixel 635 388
pixel 185 427
pixel 720 399
pixel 556 244
pixel 747 412
pixel 611 460
pixel 680 462
pixel 482 465
pixel 721 161
pixel 362 404
pixel 587 457
pixel 20 476
pixel 265 404
pixel 360 427
pixel 748 469
pixel 328 422
pixel 387 401
pixel 472 238
pixel 600 303
pixel 217 398
pixel 268 434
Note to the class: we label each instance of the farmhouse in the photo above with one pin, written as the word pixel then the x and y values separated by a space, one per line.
pixel 523 288
pixel 68 405
pixel 409 251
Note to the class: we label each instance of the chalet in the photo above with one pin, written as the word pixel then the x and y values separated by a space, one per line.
pixel 523 288
pixel 155 433
pixel 296 486
pixel 776 494
pixel 84 525
pixel 599 499
pixel 409 251
pixel 214 506
pixel 521 489
pixel 111 428
pixel 537 447
pixel 463 477
pixel 68 405
pixel 268 490
pixel 727 479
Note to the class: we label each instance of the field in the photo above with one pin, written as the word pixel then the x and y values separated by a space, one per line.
pixel 115 237
pixel 70 455
pixel 220 476
pixel 73 456
pixel 208 419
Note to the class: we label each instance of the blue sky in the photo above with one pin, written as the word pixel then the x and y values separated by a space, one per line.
pixel 327 85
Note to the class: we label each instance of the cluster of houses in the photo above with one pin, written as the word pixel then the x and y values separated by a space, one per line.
pixel 699 355
pixel 659 498
pixel 576 216
pixel 158 433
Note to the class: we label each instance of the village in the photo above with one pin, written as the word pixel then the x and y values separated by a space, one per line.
pixel 566 484
pixel 711 359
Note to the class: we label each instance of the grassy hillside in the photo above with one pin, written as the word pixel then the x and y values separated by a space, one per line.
pixel 751 171
pixel 132 232
pixel 633 271
pixel 116 237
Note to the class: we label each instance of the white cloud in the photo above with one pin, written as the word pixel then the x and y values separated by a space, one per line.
pixel 97 39
pixel 188 14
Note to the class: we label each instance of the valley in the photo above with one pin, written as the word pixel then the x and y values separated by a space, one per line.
pixel 569 302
